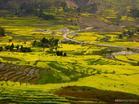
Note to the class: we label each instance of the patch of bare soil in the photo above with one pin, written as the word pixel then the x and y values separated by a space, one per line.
pixel 88 95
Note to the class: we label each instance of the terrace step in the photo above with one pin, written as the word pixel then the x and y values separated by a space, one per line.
pixel 34 99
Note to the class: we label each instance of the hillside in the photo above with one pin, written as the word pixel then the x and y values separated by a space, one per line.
pixel 69 51
pixel 121 7
pixel 111 14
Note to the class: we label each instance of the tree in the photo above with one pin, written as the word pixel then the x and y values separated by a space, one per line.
pixel 65 54
pixel 7 47
pixel 1 48
pixel 44 42
pixel 25 49
pixel 53 44
pixel 12 47
pixel 46 16
pixel 34 43
pixel 121 36
pixel 59 53
pixel 134 12
pixel 14 7
pixel 17 47
pixel 2 31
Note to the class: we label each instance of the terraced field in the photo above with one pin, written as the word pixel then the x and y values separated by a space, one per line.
pixel 14 73
pixel 28 96
pixel 96 65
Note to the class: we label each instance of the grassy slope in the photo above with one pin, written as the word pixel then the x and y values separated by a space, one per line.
pixel 80 68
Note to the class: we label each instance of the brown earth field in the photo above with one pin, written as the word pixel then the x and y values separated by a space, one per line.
pixel 80 95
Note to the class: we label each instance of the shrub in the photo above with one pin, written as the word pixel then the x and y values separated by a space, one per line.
pixel 1 48
pixel 17 47
pixel 25 49
pixel 12 47
pixel 59 53
pixel 47 16
pixel 51 43
pixel 134 12
pixel 7 47
pixel 65 54
pixel 2 31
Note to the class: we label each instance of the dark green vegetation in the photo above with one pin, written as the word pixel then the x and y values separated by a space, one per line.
pixel 52 43
pixel 69 51
pixel 16 48
pixel 38 7
pixel 108 15
pixel 2 31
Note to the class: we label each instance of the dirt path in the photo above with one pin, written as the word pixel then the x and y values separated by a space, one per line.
pixel 67 39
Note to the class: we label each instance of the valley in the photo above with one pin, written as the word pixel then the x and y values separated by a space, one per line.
pixel 83 56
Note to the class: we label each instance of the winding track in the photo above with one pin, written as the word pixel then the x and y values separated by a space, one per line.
pixel 66 38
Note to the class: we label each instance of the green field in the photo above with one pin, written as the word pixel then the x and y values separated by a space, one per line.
pixel 39 77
